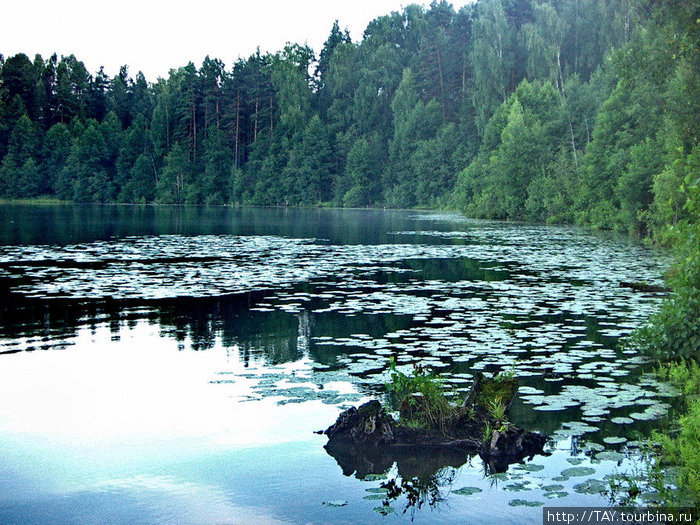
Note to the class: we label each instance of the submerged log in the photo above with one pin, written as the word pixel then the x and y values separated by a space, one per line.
pixel 369 427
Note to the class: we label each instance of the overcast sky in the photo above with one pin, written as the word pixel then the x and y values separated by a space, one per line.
pixel 156 35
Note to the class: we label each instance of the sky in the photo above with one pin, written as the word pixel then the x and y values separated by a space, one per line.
pixel 154 36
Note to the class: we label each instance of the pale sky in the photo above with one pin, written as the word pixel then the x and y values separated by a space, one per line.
pixel 156 35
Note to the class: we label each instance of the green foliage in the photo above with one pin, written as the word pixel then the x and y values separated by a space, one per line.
pixel 497 408
pixel 674 331
pixel 424 393
pixel 531 110
pixel 487 433
pixel 681 447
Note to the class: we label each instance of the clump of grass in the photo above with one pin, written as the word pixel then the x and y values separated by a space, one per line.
pixel 497 409
pixel 420 397
pixel 488 433
pixel 496 391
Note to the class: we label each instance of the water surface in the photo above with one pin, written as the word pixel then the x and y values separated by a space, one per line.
pixel 170 364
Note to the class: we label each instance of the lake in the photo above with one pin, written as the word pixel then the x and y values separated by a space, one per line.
pixel 170 364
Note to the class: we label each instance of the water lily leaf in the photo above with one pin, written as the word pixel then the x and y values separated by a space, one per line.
pixel 609 455
pixel 518 487
pixel 375 496
pixel 553 488
pixel 591 486
pixel 595 447
pixel 578 471
pixel 558 494
pixel 622 420
pixel 335 503
pixel 530 467
pixel 379 490
pixel 467 491
pixel 613 440
pixel 384 510
pixel 575 461
pixel 374 477
pixel 524 503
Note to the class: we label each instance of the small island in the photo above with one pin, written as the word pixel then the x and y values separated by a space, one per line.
pixel 429 421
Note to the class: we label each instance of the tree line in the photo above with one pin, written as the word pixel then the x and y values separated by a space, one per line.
pixel 561 111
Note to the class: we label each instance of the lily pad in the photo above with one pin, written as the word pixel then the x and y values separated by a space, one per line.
pixel 609 455
pixel 560 478
pixel 614 440
pixel 575 461
pixel 555 495
pixel 377 490
pixel 596 447
pixel 374 477
pixel 622 420
pixel 578 471
pixel 384 510
pixel 518 487
pixel 467 491
pixel 335 503
pixel 530 467
pixel 591 486
pixel 524 503
pixel 375 496
pixel 553 488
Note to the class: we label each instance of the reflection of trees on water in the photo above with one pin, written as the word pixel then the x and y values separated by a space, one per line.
pixel 430 490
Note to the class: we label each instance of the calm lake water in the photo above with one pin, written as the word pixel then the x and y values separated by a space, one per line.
pixel 169 365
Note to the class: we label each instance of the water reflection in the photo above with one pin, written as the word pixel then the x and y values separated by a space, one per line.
pixel 253 327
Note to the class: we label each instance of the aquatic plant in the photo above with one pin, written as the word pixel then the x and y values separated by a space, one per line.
pixel 420 397
pixel 497 408
pixel 681 446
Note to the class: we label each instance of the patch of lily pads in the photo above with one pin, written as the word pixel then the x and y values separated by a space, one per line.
pixel 519 486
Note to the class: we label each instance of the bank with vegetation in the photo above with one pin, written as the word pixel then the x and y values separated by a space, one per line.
pixel 577 111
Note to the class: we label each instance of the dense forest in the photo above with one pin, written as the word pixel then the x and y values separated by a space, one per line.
pixel 562 111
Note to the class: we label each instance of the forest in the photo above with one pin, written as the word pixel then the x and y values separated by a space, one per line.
pixel 569 111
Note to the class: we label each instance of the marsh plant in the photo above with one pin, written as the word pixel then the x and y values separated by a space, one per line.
pixel 420 397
